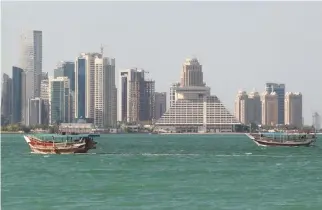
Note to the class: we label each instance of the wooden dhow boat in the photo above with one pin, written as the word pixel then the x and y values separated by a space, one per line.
pixel 293 139
pixel 61 143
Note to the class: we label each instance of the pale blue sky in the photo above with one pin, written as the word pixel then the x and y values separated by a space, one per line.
pixel 241 45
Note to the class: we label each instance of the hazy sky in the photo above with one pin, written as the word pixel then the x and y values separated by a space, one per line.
pixel 241 45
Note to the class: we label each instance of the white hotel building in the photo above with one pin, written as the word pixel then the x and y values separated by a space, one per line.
pixel 193 108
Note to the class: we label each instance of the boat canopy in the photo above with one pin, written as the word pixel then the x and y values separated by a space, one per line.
pixel 68 136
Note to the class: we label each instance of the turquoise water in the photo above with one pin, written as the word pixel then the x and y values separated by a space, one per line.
pixel 129 172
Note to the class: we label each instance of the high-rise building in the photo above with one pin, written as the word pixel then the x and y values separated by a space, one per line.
pixel 248 107
pixel 269 109
pixel 191 74
pixel 17 94
pixel 194 109
pixel 160 104
pixel 254 108
pixel 59 100
pixel 31 63
pixel 66 69
pixel 293 109
pixel 105 114
pixel 6 94
pixel 85 85
pixel 242 107
pixel 35 111
pixel 279 89
pixel 136 99
pixel 316 121
pixel 44 95
pixel 173 88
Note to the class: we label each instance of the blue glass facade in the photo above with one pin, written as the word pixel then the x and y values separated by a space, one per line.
pixel 81 87
pixel 16 94
pixel 67 70
pixel 280 91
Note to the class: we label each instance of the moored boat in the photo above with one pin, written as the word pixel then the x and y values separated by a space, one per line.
pixel 283 139
pixel 60 144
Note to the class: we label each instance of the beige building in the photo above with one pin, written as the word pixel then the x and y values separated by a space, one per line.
pixel 191 74
pixel 241 107
pixel 193 108
pixel 269 108
pixel 248 107
pixel 105 93
pixel 293 109
pixel 136 97
pixel 254 108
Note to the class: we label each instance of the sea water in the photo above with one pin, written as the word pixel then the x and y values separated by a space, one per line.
pixel 163 172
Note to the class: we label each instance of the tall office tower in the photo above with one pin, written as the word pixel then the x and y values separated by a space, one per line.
pixel 6 93
pixel 44 95
pixel 316 121
pixel 193 108
pixel 31 63
pixel 241 107
pixel 35 110
pixel 254 108
pixel 173 88
pixel 269 109
pixel 85 85
pixel 136 99
pixel 279 89
pixel 191 74
pixel 293 109
pixel 17 94
pixel 59 100
pixel 105 93
pixel 66 69
pixel 160 104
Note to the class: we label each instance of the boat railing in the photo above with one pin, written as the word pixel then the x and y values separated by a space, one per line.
pixel 286 136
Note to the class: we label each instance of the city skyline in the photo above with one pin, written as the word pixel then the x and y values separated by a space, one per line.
pixel 275 48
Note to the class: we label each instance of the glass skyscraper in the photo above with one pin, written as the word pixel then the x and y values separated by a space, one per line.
pixel 280 91
pixel 17 77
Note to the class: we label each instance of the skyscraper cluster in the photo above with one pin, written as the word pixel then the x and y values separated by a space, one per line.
pixel 273 107
pixel 81 89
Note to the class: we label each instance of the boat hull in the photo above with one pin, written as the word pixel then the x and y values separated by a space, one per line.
pixel 283 144
pixel 49 147
pixel 289 143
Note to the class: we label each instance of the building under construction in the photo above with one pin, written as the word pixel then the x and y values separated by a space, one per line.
pixel 137 97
